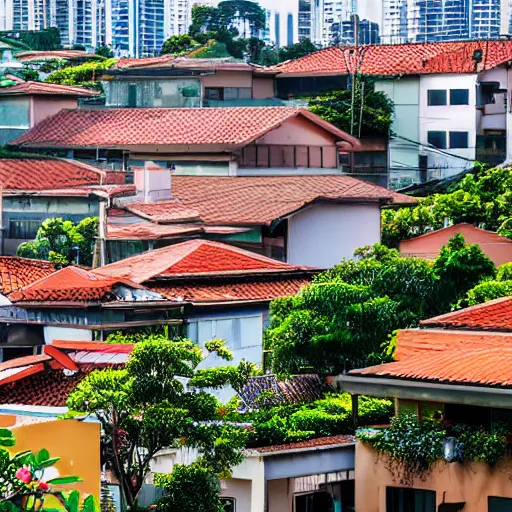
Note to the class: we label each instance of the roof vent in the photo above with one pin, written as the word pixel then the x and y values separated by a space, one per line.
pixel 478 56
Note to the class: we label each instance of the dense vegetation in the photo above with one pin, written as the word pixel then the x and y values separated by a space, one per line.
pixel 345 317
pixel 482 198
pixel 85 75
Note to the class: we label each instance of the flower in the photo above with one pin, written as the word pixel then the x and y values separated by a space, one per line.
pixel 24 475
pixel 43 486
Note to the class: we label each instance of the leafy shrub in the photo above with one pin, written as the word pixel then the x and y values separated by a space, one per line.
pixel 504 272
pixel 320 422
pixel 86 75
pixel 488 290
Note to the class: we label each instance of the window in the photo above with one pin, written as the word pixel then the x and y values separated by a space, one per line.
pixel 458 140
pixel 237 93
pixel 459 96
pixel 214 93
pixel 23 229
pixel 495 504
pixel 410 500
pixel 437 139
pixel 436 97
pixel 228 504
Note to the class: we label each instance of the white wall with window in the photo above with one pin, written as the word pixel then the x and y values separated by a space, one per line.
pixel 448 121
pixel 241 330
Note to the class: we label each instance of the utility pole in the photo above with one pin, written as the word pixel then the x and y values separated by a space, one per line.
pixel 355 24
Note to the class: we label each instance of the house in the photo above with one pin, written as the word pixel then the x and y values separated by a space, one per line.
pixel 497 248
pixel 36 188
pixel 206 141
pixel 26 104
pixel 286 217
pixel 316 475
pixel 74 303
pixel 456 367
pixel 449 99
pixel 180 81
pixel 228 290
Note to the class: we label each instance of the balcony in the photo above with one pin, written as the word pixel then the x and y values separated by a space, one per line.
pixel 491 149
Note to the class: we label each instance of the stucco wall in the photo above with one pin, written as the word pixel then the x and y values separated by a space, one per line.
pixel 76 443
pixel 469 483
pixel 280 495
pixel 263 88
pixel 322 235
pixel 44 106
pixel 241 491
pixel 228 79
pixel 298 131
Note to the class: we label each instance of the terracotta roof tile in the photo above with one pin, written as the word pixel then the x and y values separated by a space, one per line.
pixel 402 59
pixel 70 284
pixel 257 289
pixel 164 126
pixel 259 200
pixel 495 315
pixel 149 231
pixel 45 89
pixel 34 55
pixel 17 272
pixel 183 62
pixel 194 257
pixel 305 445
pixel 47 173
pixel 449 356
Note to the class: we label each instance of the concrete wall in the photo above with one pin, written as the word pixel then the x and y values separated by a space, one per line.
pixel 227 79
pixel 448 118
pixel 46 106
pixel 403 154
pixel 322 235
pixel 14 118
pixel 471 483
pixel 240 490
pixel 280 495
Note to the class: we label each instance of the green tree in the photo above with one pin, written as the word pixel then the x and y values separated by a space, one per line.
pixel 342 111
pixel 63 242
pixel 345 318
pixel 86 75
pixel 105 51
pixel 146 406
pixel 297 50
pixel 177 45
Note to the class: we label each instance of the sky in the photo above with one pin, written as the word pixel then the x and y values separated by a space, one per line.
pixel 370 10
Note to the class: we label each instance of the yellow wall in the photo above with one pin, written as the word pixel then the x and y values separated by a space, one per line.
pixel 469 482
pixel 76 443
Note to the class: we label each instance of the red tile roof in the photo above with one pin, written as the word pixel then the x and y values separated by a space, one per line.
pixel 109 128
pixel 193 258
pixel 255 289
pixel 34 55
pixel 48 173
pixel 450 357
pixel 70 284
pixel 17 272
pixel 259 200
pixel 46 89
pixel 149 231
pixel 495 315
pixel 402 59
pixel 320 442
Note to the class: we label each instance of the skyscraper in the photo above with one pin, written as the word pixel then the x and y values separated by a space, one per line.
pixel 394 22
pixel 456 20
pixel 305 19
pixel 424 20
pixel 485 19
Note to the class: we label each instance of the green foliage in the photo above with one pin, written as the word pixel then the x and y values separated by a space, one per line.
pixel 27 74
pixel 46 39
pixel 105 51
pixel 488 290
pixel 482 198
pixel 337 108
pixel 177 45
pixel 345 317
pixel 57 240
pixel 413 447
pixel 190 488
pixel 504 272
pixel 85 75
pixel 146 406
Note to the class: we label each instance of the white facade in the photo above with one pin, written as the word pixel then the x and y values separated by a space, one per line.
pixel 342 228
pixel 448 122
pixel 178 17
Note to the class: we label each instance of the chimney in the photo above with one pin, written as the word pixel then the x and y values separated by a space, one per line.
pixel 153 182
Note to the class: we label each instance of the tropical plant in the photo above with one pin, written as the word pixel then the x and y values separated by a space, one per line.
pixel 63 242
pixel 146 406
pixel 180 44
pixel 413 447
pixel 86 75
pixel 345 317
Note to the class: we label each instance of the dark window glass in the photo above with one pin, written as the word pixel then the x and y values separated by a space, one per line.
pixel 459 96
pixel 214 93
pixel 228 504
pixel 499 504
pixel 436 97
pixel 24 229
pixel 458 140
pixel 437 139
pixel 399 499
